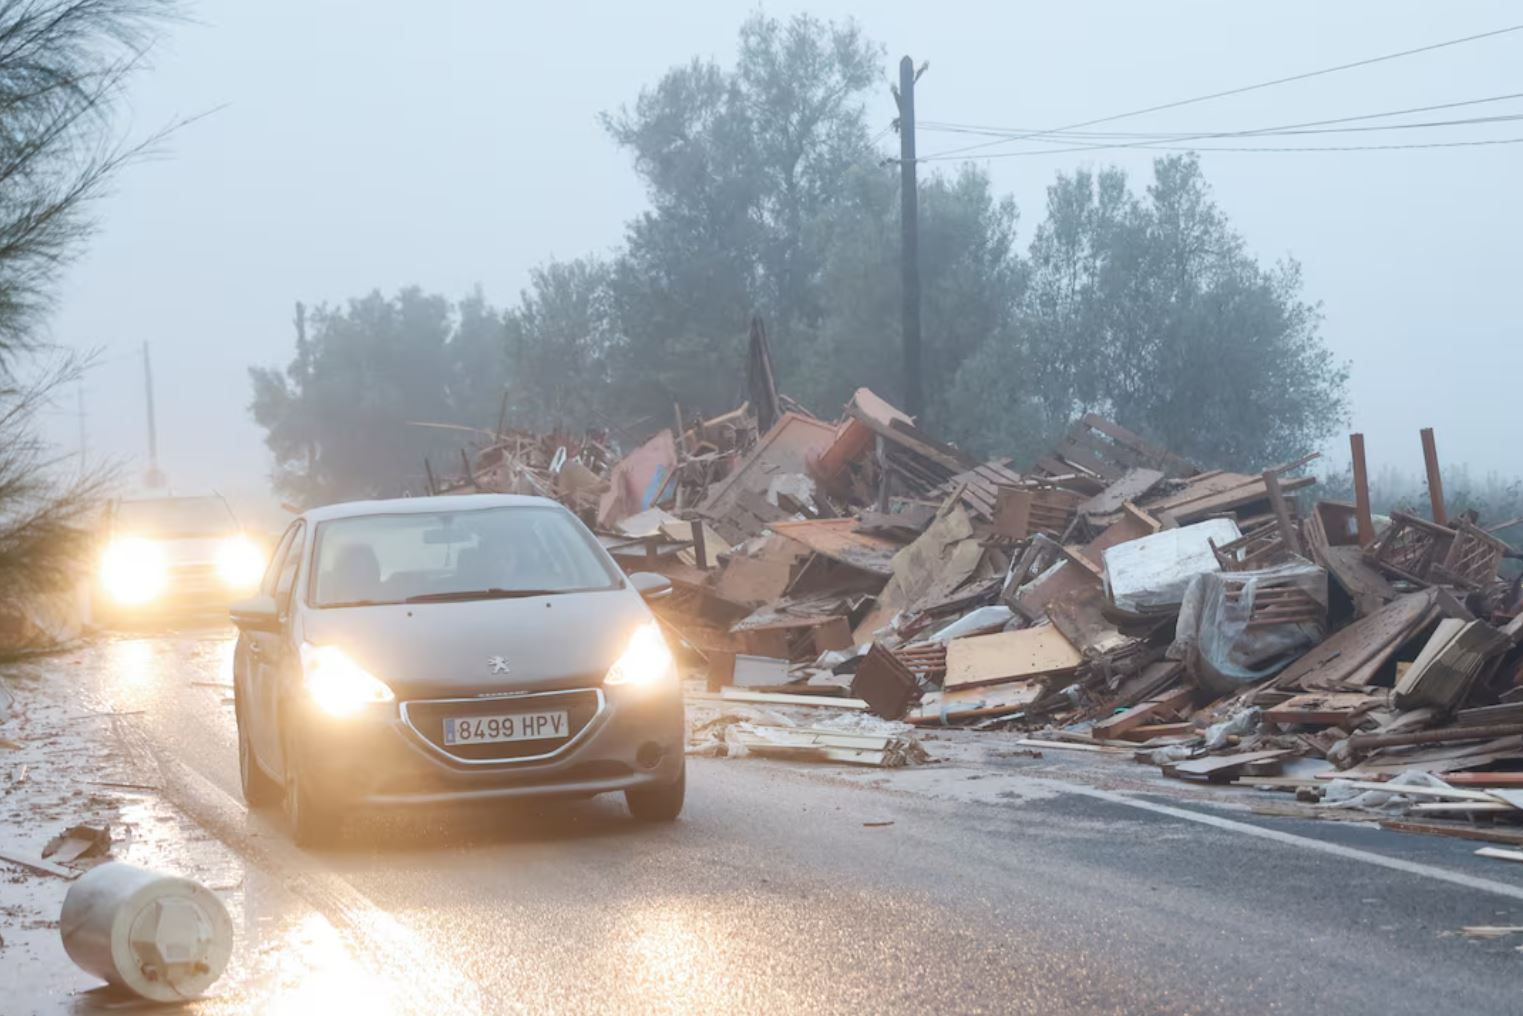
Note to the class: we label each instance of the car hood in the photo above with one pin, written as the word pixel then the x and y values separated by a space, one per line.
pixel 191 550
pixel 440 650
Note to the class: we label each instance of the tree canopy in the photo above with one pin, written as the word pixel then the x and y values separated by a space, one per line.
pixel 767 197
pixel 343 419
pixel 1150 310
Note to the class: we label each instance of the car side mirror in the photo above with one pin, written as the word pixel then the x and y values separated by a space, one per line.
pixel 651 585
pixel 257 613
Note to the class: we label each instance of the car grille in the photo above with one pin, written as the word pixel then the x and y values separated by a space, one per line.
pixel 426 718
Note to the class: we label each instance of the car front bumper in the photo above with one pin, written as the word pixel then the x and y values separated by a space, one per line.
pixel 379 759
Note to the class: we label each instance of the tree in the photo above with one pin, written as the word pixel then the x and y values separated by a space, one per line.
pixel 343 420
pixel 741 166
pixel 1152 311
pixel 559 340
pixel 971 277
pixel 63 64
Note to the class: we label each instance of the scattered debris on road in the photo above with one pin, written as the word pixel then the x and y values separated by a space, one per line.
pixel 79 843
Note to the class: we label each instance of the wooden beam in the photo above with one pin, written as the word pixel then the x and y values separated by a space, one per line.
pixel 1435 481
pixel 1489 834
pixel 1288 535
pixel 1369 742
pixel 1362 514
pixel 779 699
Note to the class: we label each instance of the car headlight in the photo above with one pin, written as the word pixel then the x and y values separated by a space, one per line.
pixel 133 570
pixel 239 562
pixel 338 685
pixel 646 660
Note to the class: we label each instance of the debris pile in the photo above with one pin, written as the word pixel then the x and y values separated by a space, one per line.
pixel 1111 595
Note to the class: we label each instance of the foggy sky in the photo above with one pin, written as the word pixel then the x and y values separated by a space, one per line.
pixel 380 143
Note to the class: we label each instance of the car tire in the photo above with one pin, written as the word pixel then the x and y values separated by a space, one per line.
pixel 659 804
pixel 259 791
pixel 313 821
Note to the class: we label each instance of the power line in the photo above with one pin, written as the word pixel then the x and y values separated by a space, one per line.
pixel 1286 148
pixel 1145 140
pixel 1156 144
pixel 1240 90
pixel 1026 132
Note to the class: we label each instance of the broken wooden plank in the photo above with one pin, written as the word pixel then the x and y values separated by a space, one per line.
pixel 1511 797
pixel 1485 779
pixel 1031 742
pixel 1148 731
pixel 754 581
pixel 777 699
pixel 1168 704
pixel 1220 768
pixel 1485 716
pixel 1009 656
pixel 1080 615
pixel 1324 709
pixel 1500 854
pixel 1435 478
pixel 1448 665
pixel 975 703
pixel 1288 535
pixel 1368 742
pixel 37 864
pixel 1133 484
pixel 1486 834
pixel 1364 518
pixel 1353 655
pixel 1458 808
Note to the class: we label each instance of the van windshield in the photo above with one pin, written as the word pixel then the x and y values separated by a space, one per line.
pixel 481 553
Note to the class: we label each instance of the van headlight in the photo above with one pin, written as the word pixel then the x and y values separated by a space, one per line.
pixel 338 685
pixel 133 570
pixel 646 660
pixel 239 563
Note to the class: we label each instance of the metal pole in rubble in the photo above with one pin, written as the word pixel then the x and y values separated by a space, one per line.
pixel 154 478
pixel 909 219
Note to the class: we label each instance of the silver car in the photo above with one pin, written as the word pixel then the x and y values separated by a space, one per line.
pixel 443 649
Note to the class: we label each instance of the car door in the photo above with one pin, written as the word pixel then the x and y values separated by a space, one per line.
pixel 267 650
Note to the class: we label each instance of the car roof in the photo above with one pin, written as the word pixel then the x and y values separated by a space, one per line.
pixel 423 505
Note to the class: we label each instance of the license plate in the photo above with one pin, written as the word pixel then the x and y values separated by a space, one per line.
pixel 545 726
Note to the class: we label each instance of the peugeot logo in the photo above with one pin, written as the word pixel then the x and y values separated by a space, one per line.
pixel 498 665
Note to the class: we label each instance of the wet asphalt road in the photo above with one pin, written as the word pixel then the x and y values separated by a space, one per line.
pixel 774 894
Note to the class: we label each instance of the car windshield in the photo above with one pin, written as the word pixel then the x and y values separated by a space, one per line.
pixel 462 555
pixel 172 517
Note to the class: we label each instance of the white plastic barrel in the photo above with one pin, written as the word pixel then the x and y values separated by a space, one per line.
pixel 163 937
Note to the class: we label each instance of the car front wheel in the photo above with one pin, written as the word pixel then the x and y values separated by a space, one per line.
pixel 258 789
pixel 658 804
pixel 313 821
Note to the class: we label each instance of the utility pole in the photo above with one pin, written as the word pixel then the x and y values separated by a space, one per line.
pixel 909 222
pixel 153 478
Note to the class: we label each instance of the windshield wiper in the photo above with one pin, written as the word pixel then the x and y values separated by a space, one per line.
pixel 359 603
pixel 480 594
